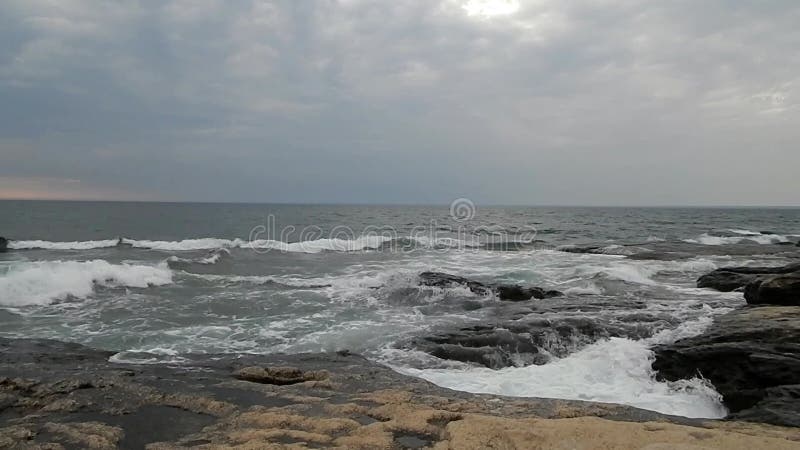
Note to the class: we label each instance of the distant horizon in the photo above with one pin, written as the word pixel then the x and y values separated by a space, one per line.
pixel 436 204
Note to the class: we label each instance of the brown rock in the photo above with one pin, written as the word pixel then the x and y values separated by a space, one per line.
pixel 280 376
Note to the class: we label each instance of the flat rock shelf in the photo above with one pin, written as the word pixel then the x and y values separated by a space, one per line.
pixel 55 395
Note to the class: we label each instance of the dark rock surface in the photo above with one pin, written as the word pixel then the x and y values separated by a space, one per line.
pixel 751 356
pixel 729 279
pixel 777 290
pixel 524 341
pixel 3 244
pixel 512 293
pixel 58 395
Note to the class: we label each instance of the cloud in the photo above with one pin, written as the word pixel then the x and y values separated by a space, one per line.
pixel 537 102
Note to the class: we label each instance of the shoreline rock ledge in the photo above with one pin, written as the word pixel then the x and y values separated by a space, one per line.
pixel 55 395
pixel 751 356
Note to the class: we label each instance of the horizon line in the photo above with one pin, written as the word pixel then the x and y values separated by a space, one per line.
pixel 399 204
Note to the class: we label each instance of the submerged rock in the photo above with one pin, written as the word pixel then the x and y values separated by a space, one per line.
pixel 751 356
pixel 445 280
pixel 729 279
pixel 520 342
pixel 514 293
pixel 3 245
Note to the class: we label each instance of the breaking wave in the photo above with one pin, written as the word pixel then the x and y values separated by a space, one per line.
pixel 616 370
pixel 368 242
pixel 743 236
pixel 41 283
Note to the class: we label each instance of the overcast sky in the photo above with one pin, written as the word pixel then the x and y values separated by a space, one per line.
pixel 596 102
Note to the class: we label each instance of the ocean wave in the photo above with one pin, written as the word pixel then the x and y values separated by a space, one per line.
pixel 590 289
pixel 41 283
pixel 744 236
pixel 368 242
pixel 213 257
pixel 73 245
pixel 615 370
pixel 642 272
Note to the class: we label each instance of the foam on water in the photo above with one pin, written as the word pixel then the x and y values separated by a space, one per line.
pixel 39 283
pixel 615 370
pixel 746 236
pixel 311 246
pixel 74 245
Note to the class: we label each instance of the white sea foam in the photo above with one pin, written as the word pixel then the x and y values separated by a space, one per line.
pixel 615 370
pixel 744 232
pixel 707 239
pixel 312 246
pixel 186 244
pixel 319 245
pixel 74 245
pixel 213 258
pixel 630 273
pixel 590 289
pixel 38 283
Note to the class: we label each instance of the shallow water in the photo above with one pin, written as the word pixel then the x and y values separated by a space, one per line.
pixel 167 279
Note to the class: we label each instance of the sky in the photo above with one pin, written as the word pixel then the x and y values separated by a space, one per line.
pixel 541 102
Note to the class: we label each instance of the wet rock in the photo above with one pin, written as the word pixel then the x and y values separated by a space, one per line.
pixel 445 280
pixel 518 293
pixel 778 290
pixel 751 356
pixel 197 404
pixel 3 245
pixel 280 376
pixel 729 279
pixel 519 342
pixel 514 293
pixel 487 346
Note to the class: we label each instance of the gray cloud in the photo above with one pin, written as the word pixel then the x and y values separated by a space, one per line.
pixel 591 102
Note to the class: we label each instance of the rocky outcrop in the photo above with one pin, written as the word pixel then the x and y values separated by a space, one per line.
pixel 514 293
pixel 521 342
pixel 56 395
pixel 751 356
pixel 729 279
pixel 3 245
pixel 778 290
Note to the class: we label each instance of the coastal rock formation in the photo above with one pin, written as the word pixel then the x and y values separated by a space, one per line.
pixel 520 342
pixel 778 290
pixel 751 356
pixel 729 279
pixel 512 293
pixel 55 395
pixel 3 244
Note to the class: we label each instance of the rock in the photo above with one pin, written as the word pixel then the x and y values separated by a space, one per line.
pixel 751 356
pixel 729 279
pixel 361 405
pixel 726 281
pixel 280 376
pixel 781 290
pixel 445 280
pixel 514 293
pixel 532 340
pixel 3 245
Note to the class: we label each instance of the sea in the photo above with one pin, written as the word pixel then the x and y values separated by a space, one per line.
pixel 155 281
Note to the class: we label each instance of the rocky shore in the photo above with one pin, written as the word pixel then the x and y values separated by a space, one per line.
pixel 55 395
pixel 750 355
